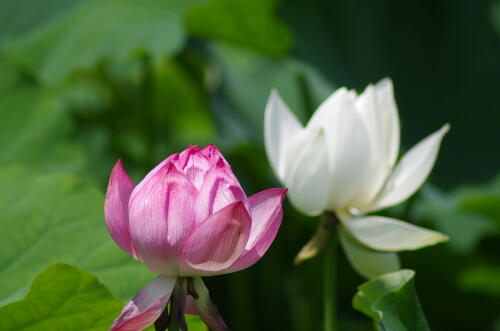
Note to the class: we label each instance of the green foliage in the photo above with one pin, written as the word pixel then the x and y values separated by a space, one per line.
pixel 40 126
pixel 247 23
pixel 66 298
pixel 249 78
pixel 57 218
pixel 465 229
pixel 97 29
pixel 472 213
pixel 390 300
pixel 467 214
pixel 62 298
pixel 482 200
pixel 195 323
pixel 19 18
pixel 176 93
pixel 482 278
pixel 144 78
pixel 496 15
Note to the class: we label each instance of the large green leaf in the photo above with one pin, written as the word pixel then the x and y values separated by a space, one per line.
pixel 9 76
pixel 30 14
pixel 97 29
pixel 195 323
pixel 65 298
pixel 56 218
pixel 390 300
pixel 249 23
pixel 34 130
pixel 62 298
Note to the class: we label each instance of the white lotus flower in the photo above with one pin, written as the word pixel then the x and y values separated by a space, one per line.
pixel 344 161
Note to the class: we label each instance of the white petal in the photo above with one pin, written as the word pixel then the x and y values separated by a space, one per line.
pixel 367 262
pixel 377 108
pixel 348 146
pixel 411 171
pixel 389 118
pixel 280 125
pixel 391 235
pixel 324 112
pixel 306 171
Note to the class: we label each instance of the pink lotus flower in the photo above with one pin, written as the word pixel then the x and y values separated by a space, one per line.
pixel 189 217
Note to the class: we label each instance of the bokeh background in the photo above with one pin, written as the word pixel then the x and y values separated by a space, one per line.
pixel 85 82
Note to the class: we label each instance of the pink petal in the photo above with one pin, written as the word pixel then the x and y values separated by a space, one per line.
pixel 153 172
pixel 218 241
pixel 116 208
pixel 193 164
pixel 145 308
pixel 220 188
pixel 203 307
pixel 212 153
pixel 161 216
pixel 267 212
pixel 265 207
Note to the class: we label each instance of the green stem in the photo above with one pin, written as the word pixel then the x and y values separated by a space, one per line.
pixel 330 275
pixel 173 327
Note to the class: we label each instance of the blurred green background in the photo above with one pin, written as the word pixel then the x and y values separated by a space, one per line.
pixel 85 82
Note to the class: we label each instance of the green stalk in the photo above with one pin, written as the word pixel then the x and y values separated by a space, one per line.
pixel 173 326
pixel 330 274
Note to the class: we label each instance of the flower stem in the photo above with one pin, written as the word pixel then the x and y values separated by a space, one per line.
pixel 173 327
pixel 330 275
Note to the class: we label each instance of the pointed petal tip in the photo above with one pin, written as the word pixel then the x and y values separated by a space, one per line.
pixel 209 148
pixel 445 128
pixel 118 169
pixel 191 149
pixel 391 235
pixel 442 238
pixel 212 152
pixel 274 93
pixel 274 101
pixel 412 170
pixel 280 125
pixel 317 241
pixel 118 177
pixel 282 191
pixel 385 80
pixel 304 254
pixel 116 201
